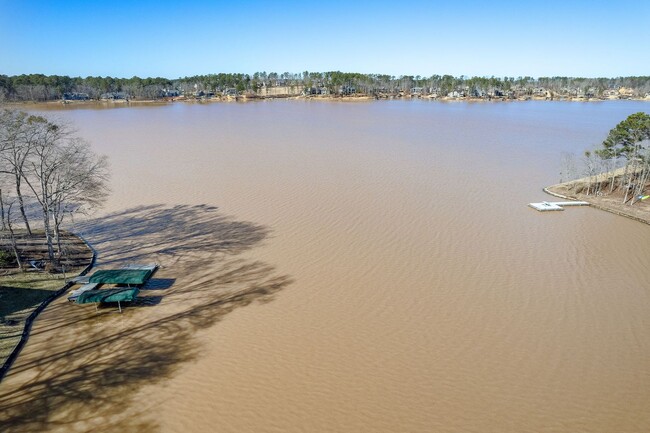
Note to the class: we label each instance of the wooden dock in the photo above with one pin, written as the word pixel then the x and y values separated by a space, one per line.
pixel 74 294
pixel 556 205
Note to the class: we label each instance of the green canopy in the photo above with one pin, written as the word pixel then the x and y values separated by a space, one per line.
pixel 120 294
pixel 135 277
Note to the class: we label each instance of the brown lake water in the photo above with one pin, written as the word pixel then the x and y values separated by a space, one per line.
pixel 351 267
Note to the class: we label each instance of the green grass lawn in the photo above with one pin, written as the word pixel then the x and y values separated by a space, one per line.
pixel 22 292
pixel 16 304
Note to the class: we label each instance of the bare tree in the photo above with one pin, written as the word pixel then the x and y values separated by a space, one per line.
pixel 567 167
pixel 17 136
pixel 64 175
pixel 79 184
pixel 61 170
pixel 590 162
pixel 41 168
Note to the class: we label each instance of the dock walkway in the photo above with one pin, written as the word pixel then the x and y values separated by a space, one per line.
pixel 74 294
pixel 556 205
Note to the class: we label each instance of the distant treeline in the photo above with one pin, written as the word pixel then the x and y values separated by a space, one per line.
pixel 38 87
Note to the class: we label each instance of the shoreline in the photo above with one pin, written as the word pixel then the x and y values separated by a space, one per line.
pixel 604 203
pixel 6 363
pixel 254 98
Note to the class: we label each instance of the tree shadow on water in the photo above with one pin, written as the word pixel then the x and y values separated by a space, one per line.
pixel 162 232
pixel 82 368
pixel 159 284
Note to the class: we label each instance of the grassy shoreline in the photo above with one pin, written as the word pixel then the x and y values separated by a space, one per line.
pixel 22 294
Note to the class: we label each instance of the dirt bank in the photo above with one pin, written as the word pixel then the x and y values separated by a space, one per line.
pixel 639 211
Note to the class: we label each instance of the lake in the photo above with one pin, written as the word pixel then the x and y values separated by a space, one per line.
pixel 404 285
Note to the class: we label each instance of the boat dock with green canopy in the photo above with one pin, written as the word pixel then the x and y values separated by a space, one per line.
pixel 117 294
pixel 132 276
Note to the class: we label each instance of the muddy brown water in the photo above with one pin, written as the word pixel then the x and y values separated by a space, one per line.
pixel 334 267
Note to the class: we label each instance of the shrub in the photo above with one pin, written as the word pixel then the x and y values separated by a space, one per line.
pixel 7 259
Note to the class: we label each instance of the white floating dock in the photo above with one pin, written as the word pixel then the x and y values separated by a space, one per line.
pixel 556 205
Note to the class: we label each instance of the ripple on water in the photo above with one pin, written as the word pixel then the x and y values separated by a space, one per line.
pixel 426 295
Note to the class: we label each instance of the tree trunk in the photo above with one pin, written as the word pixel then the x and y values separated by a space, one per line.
pixel 21 205
pixel 638 190
pixel 611 185
pixel 48 236
pixel 57 237
pixel 625 181
pixel 12 237
pixel 2 212
pixel 45 205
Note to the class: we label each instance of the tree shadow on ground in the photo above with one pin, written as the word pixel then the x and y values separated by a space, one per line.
pixel 82 367
pixel 13 299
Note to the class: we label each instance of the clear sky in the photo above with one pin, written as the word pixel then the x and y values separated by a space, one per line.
pixel 180 38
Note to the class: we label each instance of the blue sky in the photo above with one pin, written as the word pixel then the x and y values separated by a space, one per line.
pixel 175 39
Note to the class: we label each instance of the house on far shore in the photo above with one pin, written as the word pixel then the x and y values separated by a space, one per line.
pixel 347 90
pixel 315 91
pixel 456 94
pixel 114 96
pixel 204 94
pixel 433 92
pixel 74 96
pixel 170 93
pixel 416 92
pixel 230 92
pixel 477 93
pixel 495 93
pixel 625 93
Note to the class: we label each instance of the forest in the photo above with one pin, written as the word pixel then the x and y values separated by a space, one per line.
pixel 39 87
